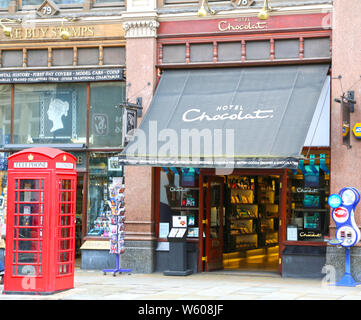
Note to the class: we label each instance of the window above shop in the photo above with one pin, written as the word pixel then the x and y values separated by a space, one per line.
pixel 65 57
pixel 24 5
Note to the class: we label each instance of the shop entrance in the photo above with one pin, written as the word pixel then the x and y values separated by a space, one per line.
pixel 241 222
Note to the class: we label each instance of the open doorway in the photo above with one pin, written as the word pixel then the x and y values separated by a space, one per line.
pixel 241 215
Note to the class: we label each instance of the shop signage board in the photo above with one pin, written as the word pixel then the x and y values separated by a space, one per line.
pixel 244 24
pixel 69 75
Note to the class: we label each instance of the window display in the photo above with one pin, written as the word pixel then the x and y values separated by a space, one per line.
pixel 101 176
pixel 50 113
pixel 179 193
pixel 252 215
pixel 309 211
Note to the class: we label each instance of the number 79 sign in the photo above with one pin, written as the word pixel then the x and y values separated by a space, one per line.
pixel 47 8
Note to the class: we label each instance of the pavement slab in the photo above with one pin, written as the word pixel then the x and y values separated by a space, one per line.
pixel 93 285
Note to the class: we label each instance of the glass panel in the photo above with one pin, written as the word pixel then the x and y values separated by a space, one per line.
pixel 104 170
pixel 50 113
pixel 5 115
pixel 105 117
pixel 66 184
pixel 4 3
pixel 28 221
pixel 215 210
pixel 28 233
pixel 66 196
pixel 39 2
pixel 110 1
pixel 178 196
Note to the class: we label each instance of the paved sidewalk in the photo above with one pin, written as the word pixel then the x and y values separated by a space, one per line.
pixel 93 285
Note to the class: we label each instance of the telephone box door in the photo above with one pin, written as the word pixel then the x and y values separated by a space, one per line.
pixel 65 226
pixel 26 231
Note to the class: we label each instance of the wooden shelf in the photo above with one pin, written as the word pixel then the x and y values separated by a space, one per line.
pixel 184 208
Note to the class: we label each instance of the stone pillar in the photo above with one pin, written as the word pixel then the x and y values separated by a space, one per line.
pixel 345 163
pixel 141 31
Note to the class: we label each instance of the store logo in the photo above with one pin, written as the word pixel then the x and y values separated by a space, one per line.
pixel 233 112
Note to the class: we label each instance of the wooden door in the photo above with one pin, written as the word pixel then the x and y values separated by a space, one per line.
pixel 214 223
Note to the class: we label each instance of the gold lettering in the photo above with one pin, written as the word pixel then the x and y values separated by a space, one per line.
pixel 83 31
pixel 75 32
pixel 53 32
pixel 91 31
pixel 44 32
pixel 28 33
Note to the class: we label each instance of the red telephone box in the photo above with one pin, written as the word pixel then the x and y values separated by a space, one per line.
pixel 40 230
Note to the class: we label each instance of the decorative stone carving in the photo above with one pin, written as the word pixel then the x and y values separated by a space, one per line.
pixel 141 28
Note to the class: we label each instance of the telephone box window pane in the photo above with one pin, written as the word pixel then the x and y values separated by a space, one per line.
pixel 66 209
pixel 66 196
pixel 65 233
pixel 29 196
pixel 28 233
pixel 50 113
pixel 28 184
pixel 26 257
pixel 66 184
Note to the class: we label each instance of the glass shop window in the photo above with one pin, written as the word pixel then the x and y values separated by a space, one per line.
pixel 5 114
pixel 106 117
pixel 39 2
pixel 179 196
pixel 50 113
pixel 3 191
pixel 308 213
pixel 4 3
pixel 104 170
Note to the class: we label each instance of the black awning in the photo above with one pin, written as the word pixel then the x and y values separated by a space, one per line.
pixel 255 117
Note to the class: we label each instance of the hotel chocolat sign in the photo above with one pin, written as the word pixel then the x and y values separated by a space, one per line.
pixel 61 76
pixel 241 24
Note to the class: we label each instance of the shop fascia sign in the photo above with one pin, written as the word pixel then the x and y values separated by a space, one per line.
pixel 51 32
pixel 241 24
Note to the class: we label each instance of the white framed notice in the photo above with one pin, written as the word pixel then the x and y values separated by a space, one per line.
pixel 163 229
pixel 179 221
pixel 292 233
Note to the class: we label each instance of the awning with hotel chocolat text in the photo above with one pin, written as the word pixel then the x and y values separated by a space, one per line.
pixel 253 117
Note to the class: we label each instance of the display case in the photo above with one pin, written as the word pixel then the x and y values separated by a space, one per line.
pixel 179 196
pixel 252 213
pixel 308 213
